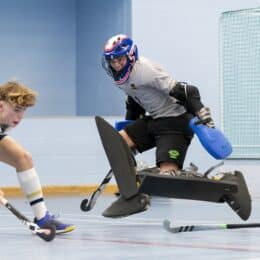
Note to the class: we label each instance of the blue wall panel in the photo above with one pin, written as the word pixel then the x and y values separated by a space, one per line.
pixel 37 47
pixel 55 47
pixel 96 22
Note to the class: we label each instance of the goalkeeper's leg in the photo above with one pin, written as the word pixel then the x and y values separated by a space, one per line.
pixel 123 166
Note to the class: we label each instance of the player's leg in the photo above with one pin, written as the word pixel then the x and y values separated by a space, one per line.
pixel 173 149
pixel 170 155
pixel 122 164
pixel 172 136
pixel 137 138
pixel 168 168
pixel 14 155
pixel 127 139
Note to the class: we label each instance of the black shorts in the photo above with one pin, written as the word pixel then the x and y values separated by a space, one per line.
pixel 170 135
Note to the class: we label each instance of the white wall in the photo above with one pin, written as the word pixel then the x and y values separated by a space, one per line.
pixel 38 48
pixel 65 150
pixel 182 35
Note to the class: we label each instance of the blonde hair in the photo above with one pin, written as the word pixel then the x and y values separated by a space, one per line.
pixel 15 94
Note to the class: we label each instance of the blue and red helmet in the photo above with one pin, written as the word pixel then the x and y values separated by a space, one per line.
pixel 118 46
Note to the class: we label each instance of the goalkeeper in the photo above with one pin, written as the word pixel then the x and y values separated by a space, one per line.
pixel 171 105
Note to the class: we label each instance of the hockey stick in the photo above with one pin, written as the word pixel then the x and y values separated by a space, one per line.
pixel 87 205
pixel 205 227
pixel 46 233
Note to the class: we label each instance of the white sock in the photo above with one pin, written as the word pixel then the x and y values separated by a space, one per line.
pixel 30 184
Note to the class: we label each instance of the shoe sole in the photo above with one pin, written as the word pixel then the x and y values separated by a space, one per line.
pixel 66 230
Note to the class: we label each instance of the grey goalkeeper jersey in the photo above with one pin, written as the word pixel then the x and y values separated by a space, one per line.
pixel 149 85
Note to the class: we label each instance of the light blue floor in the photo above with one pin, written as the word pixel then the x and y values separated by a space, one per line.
pixel 140 236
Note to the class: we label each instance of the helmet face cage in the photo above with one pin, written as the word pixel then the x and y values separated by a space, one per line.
pixel 117 46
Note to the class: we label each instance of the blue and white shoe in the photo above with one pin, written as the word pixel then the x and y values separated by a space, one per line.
pixel 50 219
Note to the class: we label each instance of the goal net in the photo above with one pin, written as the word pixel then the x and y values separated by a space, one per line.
pixel 240 81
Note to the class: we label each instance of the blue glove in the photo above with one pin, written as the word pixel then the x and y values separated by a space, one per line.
pixel 119 125
pixel 212 139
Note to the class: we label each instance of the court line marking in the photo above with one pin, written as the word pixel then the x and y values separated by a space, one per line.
pixel 137 222
pixel 162 244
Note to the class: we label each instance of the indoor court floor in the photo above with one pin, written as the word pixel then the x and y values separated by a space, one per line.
pixel 140 236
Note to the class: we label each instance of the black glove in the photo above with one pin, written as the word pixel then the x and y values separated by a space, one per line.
pixel 188 96
pixel 179 92
pixel 204 116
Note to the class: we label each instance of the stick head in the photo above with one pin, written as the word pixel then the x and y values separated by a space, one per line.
pixel 167 226
pixel 84 205
pixel 47 232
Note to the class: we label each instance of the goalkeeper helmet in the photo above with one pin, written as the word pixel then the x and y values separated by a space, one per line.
pixel 118 46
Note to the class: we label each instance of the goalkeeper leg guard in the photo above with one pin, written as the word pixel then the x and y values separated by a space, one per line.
pixel 124 207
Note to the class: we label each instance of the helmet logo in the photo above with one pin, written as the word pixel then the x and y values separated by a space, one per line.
pixel 114 41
